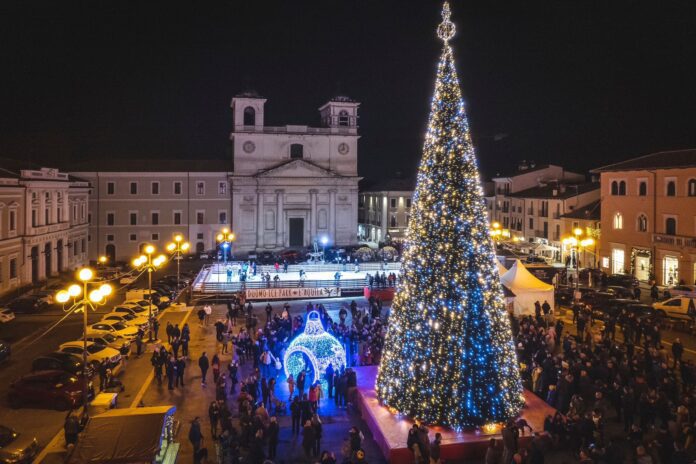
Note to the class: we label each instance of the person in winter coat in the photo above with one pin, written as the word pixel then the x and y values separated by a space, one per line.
pixel 272 433
pixel 204 364
pixel 195 436
pixel 214 416
pixel 308 438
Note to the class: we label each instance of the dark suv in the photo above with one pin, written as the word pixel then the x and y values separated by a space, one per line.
pixel 48 389
pixel 622 280
pixel 65 362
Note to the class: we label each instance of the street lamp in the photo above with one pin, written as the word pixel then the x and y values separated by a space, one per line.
pixel 324 242
pixel 178 246
pixel 496 231
pixel 89 299
pixel 103 260
pixel 225 239
pixel 577 241
pixel 147 263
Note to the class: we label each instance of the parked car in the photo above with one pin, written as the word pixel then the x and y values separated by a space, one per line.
pixel 564 294
pixel 683 290
pixel 109 340
pixel 619 292
pixel 622 280
pixel 26 304
pixel 115 328
pixel 137 311
pixel 128 319
pixel 48 389
pixel 679 307
pixel 614 306
pixel 143 304
pixel 95 353
pixel 65 362
pixel 5 351
pixel 15 447
pixel 6 315
pixel 128 279
pixel 642 310
pixel 535 259
pixel 210 254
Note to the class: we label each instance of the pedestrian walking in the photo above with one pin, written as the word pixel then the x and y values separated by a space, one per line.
pixel 291 386
pixel 139 343
pixel 329 375
pixel 171 372
pixel 154 323
pixel 71 428
pixel 185 339
pixel 316 424
pixel 156 362
pixel 201 316
pixel 195 437
pixel 272 433
pixel 208 312
pixel 216 367
pixel 214 416
pixel 180 368
pixel 175 346
pixel 169 330
pixel 308 439
pixel 204 364
pixel 295 412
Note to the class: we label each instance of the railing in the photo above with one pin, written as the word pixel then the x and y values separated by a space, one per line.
pixel 530 211
pixel 231 287
pixel 556 215
pixel 675 240
pixel 300 130
pixel 541 234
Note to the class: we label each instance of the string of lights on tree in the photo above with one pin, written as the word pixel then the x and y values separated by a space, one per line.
pixel 449 358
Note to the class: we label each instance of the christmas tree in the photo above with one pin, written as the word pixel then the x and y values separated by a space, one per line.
pixel 449 358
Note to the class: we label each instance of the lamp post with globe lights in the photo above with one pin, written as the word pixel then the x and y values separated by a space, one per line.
pixel 178 246
pixel 225 240
pixel 83 298
pixel 577 241
pixel 145 262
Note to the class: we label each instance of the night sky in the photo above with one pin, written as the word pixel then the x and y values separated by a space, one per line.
pixel 580 83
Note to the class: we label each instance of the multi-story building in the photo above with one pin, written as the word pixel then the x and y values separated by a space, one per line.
pixel 43 223
pixel 286 186
pixel 588 219
pixel 536 213
pixel 384 209
pixel 649 217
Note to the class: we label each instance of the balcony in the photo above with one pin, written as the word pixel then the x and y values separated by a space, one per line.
pixel 47 229
pixel 675 240
pixel 541 234
pixel 297 129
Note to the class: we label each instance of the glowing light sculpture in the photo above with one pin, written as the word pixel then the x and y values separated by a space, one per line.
pixel 315 345
pixel 449 358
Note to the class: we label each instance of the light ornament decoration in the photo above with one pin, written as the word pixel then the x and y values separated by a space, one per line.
pixel 449 358
pixel 315 347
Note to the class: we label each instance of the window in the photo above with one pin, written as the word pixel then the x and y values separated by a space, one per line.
pixel 177 188
pixel 222 217
pixel 13 220
pixel 622 187
pixel 642 188
pixel 691 188
pixel 392 202
pixel 200 188
pixel 642 223
pixel 671 226
pixel 154 188
pixel 200 217
pixel 408 203
pixel 13 268
pixel 618 221
pixel 393 222
pixel 134 219
pixel 249 116
pixel 343 118
pixel 155 237
pixel 296 151
pixel 155 218
pixel 614 188
pixel 110 238
pixel 84 245
pixel 110 221
pixel 671 188
pixel 199 236
pixel 132 237
pixel 110 188
pixel 177 217
pixel 33 218
pixel 134 188
pixel 47 216
pixel 531 223
pixel 89 217
pixel 222 188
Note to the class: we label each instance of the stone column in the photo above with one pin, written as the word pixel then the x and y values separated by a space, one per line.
pixel 332 215
pixel 259 219
pixel 280 221
pixel 385 217
pixel 313 215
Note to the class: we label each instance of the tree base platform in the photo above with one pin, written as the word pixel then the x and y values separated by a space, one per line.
pixel 390 431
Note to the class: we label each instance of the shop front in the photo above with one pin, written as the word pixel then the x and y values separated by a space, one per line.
pixel 641 264
pixel 670 270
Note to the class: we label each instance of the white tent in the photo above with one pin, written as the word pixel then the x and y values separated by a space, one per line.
pixel 501 269
pixel 527 289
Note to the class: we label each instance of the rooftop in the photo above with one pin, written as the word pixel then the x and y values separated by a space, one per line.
pixel 590 212
pixel 673 159
pixel 151 165
pixel 394 184
pixel 517 171
pixel 562 191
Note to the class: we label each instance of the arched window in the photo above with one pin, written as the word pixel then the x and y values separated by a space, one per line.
pixel 296 151
pixel 614 188
pixel 249 116
pixel 671 226
pixel 393 222
pixel 343 119
pixel 618 221
pixel 642 223
pixel 691 188
pixel 643 189
pixel 622 187
pixel 671 189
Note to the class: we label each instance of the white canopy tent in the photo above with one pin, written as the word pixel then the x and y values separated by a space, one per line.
pixel 501 269
pixel 527 289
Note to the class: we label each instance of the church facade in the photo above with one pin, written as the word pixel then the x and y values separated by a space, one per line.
pixel 285 186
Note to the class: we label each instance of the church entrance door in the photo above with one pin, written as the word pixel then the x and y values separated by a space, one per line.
pixel 296 232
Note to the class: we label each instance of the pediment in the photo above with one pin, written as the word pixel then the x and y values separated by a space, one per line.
pixel 297 168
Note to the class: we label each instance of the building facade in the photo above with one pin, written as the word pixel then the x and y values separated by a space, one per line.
pixel 43 224
pixel 384 210
pixel 286 186
pixel 649 217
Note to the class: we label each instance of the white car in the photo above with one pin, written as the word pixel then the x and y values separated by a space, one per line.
pixel 143 304
pixel 108 339
pixel 679 307
pixel 135 310
pixel 6 315
pixel 128 319
pixel 95 353
pixel 683 290
pixel 117 329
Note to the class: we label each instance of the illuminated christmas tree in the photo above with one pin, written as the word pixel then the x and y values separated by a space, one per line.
pixel 449 357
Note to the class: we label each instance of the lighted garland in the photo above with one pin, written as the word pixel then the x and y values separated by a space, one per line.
pixel 319 347
pixel 449 357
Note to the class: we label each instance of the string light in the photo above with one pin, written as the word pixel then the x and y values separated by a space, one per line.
pixel 449 358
